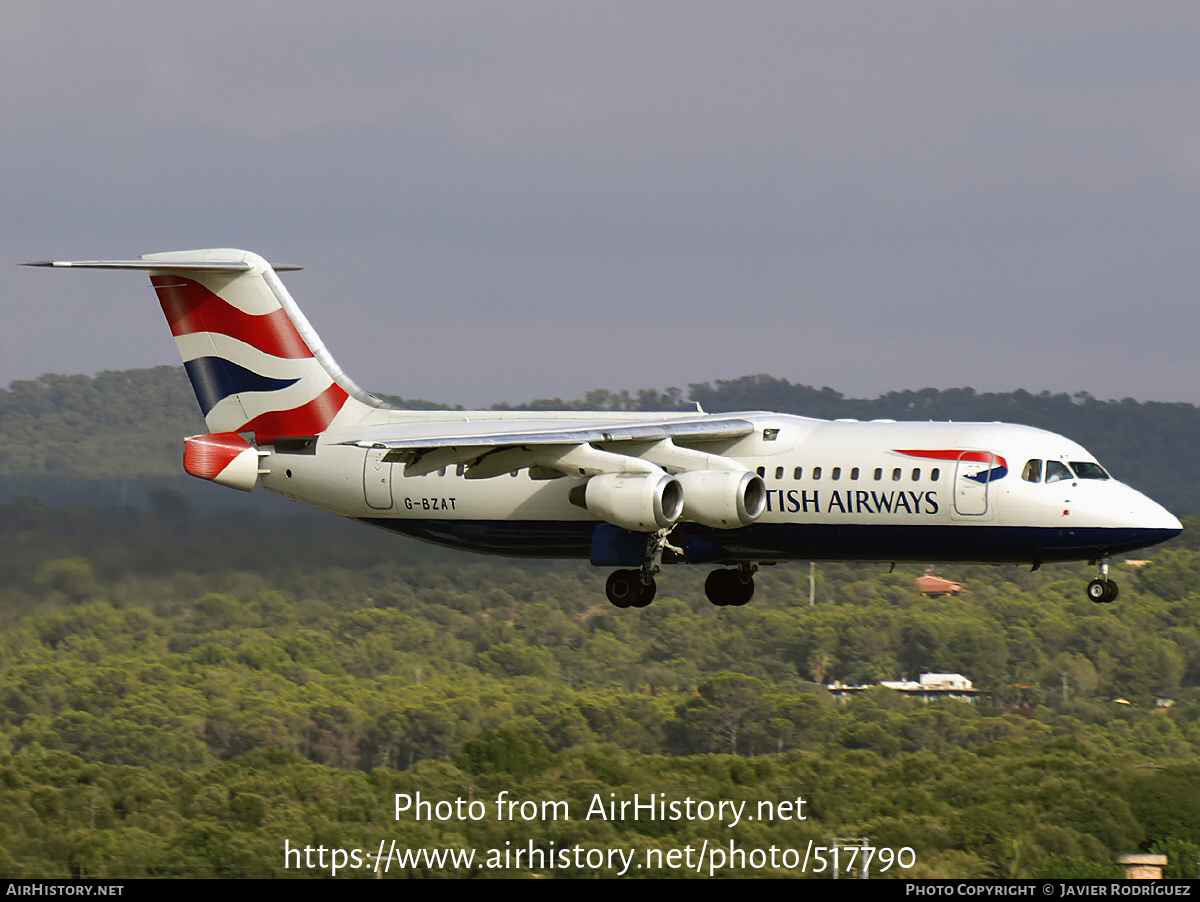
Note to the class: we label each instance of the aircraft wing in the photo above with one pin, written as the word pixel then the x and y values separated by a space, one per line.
pixel 705 428
pixel 552 447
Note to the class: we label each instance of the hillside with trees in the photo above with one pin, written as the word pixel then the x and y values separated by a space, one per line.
pixel 183 692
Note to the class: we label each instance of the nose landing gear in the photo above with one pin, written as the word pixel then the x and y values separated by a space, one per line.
pixel 1102 590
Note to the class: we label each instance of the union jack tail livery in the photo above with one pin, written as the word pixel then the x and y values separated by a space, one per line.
pixel 255 363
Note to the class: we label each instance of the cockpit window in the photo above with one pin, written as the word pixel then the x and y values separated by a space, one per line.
pixel 1056 471
pixel 1086 469
pixel 1033 471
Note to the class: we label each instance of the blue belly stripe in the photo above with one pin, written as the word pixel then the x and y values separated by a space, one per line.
pixel 793 541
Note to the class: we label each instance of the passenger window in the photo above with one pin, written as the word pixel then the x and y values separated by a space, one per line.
pixel 762 471
pixel 1033 471
pixel 854 473
pixel 816 472
pixel 1056 471
pixel 878 473
pixel 779 472
pixel 837 473
pixel 1086 469
pixel 460 469
pixel 798 472
pixel 935 474
pixel 896 475
pixel 917 475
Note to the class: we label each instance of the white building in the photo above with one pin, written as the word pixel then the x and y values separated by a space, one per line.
pixel 930 687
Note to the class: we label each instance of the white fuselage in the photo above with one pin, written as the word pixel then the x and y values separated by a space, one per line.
pixel 845 490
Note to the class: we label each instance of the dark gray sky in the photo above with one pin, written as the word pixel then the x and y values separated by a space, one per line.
pixel 507 200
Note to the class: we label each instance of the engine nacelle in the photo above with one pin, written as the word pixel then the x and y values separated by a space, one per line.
pixel 224 458
pixel 640 502
pixel 723 499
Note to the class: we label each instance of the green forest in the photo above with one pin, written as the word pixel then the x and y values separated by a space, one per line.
pixel 189 693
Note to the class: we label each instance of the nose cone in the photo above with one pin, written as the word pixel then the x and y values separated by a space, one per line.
pixel 1152 515
pixel 1169 523
pixel 1146 522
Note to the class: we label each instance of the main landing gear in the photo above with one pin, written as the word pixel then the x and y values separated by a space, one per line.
pixel 731 587
pixel 629 589
pixel 1102 590
pixel 636 588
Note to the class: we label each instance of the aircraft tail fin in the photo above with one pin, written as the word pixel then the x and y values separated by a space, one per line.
pixel 254 361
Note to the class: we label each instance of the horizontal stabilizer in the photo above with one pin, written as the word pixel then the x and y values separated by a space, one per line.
pixel 155 265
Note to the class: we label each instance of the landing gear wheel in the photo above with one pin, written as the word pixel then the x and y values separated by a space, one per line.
pixel 717 586
pixel 745 591
pixel 1102 591
pixel 623 588
pixel 648 589
pixel 626 589
pixel 727 588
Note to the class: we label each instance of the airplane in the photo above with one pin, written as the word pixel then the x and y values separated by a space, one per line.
pixel 627 490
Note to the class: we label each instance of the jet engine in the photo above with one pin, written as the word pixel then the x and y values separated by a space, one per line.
pixel 723 499
pixel 640 502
